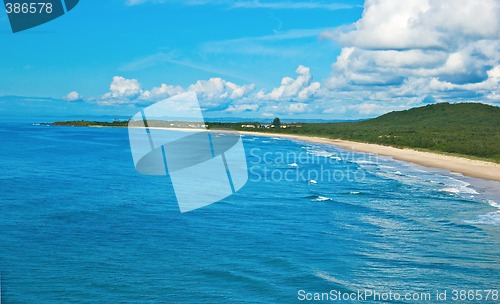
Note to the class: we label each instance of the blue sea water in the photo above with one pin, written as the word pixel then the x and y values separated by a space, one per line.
pixel 79 225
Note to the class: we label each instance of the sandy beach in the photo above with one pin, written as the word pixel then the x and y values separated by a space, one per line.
pixel 465 166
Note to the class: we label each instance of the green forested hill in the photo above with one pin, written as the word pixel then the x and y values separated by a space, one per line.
pixel 440 114
pixel 465 128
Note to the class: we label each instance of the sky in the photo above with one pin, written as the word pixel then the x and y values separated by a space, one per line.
pixel 301 59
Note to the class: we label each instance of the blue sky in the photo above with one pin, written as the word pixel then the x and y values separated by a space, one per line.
pixel 297 59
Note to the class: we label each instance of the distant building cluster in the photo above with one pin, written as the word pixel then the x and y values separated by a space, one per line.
pixel 269 126
pixel 188 125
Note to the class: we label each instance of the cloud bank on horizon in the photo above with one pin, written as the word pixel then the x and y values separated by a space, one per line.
pixel 398 55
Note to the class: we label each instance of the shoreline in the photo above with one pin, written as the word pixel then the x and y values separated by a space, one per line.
pixel 465 166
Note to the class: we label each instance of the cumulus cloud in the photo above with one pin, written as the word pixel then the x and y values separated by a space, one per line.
pixel 411 24
pixel 212 93
pixel 122 88
pixel 300 88
pixel 402 53
pixel 161 92
pixel 72 96
pixel 216 90
pixel 217 94
pixel 242 108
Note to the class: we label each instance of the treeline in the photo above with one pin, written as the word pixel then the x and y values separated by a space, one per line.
pixel 87 123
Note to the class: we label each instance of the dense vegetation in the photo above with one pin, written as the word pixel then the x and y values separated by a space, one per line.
pixel 87 123
pixel 467 128
pixel 470 129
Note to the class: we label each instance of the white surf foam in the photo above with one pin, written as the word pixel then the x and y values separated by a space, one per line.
pixel 493 203
pixel 459 188
pixel 492 218
pixel 321 153
pixel 367 162
pixel 321 199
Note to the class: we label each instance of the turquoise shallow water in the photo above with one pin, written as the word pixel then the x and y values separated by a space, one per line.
pixel 79 225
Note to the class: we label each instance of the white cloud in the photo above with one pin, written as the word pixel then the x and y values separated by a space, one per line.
pixel 267 115
pixel 212 93
pixel 216 94
pixel 72 96
pixel 297 108
pixel 242 108
pixel 122 88
pixel 161 92
pixel 216 91
pixel 410 24
pixel 368 109
pixel 404 53
pixel 300 88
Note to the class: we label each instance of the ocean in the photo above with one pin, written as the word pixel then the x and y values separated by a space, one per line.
pixel 78 224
